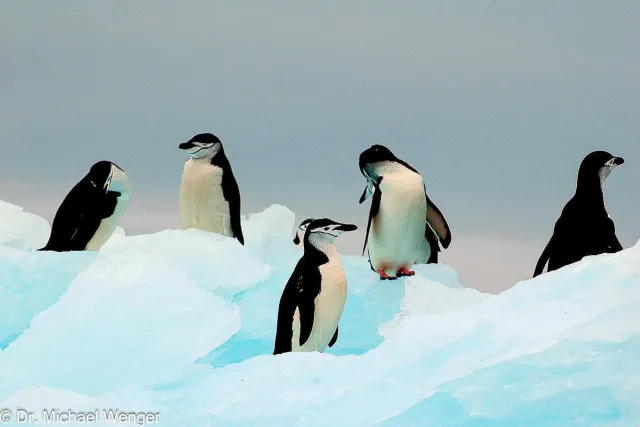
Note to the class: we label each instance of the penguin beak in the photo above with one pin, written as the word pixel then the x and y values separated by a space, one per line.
pixel 346 227
pixel 186 145
pixel 296 240
pixel 618 161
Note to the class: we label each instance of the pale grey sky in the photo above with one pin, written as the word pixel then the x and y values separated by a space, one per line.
pixel 494 102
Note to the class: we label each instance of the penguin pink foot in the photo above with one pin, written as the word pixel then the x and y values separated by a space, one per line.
pixel 384 276
pixel 405 272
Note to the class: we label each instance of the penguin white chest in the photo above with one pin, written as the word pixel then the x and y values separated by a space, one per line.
pixel 202 203
pixel 397 232
pixel 108 225
pixel 329 305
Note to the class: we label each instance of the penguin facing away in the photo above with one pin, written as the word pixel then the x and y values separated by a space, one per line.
pixel 404 226
pixel 298 240
pixel 89 214
pixel 584 227
pixel 209 193
pixel 313 299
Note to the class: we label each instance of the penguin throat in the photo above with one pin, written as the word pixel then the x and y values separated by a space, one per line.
pixel 318 255
pixel 322 243
pixel 604 173
pixel 206 152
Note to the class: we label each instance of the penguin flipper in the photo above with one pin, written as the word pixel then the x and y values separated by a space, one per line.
pixel 307 310
pixel 615 244
pixel 437 221
pixel 108 204
pixel 433 244
pixel 102 206
pixel 375 208
pixel 231 194
pixel 335 338
pixel 236 226
pixel 544 257
pixel 287 309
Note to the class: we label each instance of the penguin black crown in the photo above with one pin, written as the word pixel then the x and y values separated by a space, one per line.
pixel 584 227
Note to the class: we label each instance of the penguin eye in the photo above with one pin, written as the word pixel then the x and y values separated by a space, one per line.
pixel 326 228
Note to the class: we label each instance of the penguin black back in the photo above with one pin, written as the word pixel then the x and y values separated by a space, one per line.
pixel 231 193
pixel 584 227
pixel 83 209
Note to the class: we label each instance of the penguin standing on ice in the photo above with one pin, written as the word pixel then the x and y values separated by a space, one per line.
pixel 314 297
pixel 209 194
pixel 397 234
pixel 584 227
pixel 302 228
pixel 89 214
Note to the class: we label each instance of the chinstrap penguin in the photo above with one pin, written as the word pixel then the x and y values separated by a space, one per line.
pixel 404 225
pixel 209 194
pixel 313 299
pixel 298 240
pixel 89 214
pixel 584 227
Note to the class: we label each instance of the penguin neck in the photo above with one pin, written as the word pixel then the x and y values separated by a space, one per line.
pixel 220 160
pixel 319 250
pixel 590 188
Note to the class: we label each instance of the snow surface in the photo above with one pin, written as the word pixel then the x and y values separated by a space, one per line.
pixel 182 323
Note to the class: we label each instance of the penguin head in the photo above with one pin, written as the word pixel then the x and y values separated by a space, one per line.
pixel 203 145
pixel 373 158
pixel 302 228
pixel 597 164
pixel 109 176
pixel 325 230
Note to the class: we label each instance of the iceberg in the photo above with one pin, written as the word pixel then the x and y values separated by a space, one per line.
pixel 176 328
pixel 22 229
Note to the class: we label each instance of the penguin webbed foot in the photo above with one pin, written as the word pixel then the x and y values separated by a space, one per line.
pixel 405 272
pixel 385 276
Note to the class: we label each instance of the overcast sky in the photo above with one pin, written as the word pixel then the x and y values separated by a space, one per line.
pixel 494 102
